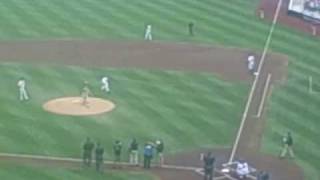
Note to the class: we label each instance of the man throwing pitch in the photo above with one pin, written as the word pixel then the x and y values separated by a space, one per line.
pixel 85 94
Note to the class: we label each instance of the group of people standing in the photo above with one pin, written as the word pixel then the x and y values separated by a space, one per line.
pixel 150 150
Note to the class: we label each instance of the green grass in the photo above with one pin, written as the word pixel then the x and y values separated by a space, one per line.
pixel 184 109
pixel 19 172
pixel 230 23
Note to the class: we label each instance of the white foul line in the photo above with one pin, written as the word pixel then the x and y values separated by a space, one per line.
pixel 264 95
pixel 253 87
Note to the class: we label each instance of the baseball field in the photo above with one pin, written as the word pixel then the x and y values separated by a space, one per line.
pixel 190 91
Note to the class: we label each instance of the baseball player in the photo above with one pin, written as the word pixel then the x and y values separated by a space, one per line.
pixel 99 156
pixel 23 95
pixel 251 64
pixel 159 150
pixel 87 149
pixel 287 142
pixel 242 169
pixel 148 34
pixel 208 168
pixel 105 84
pixel 190 28
pixel 85 94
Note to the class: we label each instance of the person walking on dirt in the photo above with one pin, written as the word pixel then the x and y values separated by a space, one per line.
pixel 133 152
pixel 117 148
pixel 251 63
pixel 159 151
pixel 287 143
pixel 190 28
pixel 208 168
pixel 148 155
pixel 23 95
pixel 87 150
pixel 99 157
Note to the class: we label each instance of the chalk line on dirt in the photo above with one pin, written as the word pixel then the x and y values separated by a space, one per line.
pixel 253 87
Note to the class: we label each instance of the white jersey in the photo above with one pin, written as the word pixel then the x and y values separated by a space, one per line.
pixel 148 29
pixel 105 84
pixel 21 84
pixel 251 62
pixel 242 169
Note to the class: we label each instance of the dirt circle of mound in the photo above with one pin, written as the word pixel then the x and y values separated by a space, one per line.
pixel 73 106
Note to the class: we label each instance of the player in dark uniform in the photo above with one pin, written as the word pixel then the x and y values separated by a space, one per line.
pixel 99 157
pixel 134 152
pixel 87 150
pixel 117 148
pixel 190 28
pixel 159 151
pixel 209 161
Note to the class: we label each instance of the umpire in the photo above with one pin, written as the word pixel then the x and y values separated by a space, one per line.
pixel 99 157
pixel 287 142
pixel 209 161
pixel 87 150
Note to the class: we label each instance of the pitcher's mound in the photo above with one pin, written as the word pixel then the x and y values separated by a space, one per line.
pixel 73 106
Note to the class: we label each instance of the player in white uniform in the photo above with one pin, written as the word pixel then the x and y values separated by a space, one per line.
pixel 242 169
pixel 105 84
pixel 251 64
pixel 23 95
pixel 148 33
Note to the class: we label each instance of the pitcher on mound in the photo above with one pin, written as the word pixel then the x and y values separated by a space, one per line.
pixel 85 94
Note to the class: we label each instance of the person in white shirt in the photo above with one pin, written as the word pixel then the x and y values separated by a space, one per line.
pixel 148 33
pixel 105 84
pixel 251 64
pixel 23 95
pixel 242 169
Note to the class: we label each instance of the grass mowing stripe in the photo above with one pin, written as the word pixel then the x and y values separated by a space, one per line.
pixel 21 27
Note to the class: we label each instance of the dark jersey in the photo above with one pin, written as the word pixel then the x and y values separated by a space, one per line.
pixel 133 146
pixel 99 153
pixel 88 147
pixel 160 147
pixel 208 162
pixel 117 148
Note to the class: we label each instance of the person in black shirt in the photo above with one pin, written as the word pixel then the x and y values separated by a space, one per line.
pixel 133 152
pixel 99 157
pixel 87 150
pixel 190 28
pixel 117 148
pixel 209 161
pixel 287 143
pixel 159 150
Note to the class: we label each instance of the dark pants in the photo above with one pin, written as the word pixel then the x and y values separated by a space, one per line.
pixel 87 158
pixel 99 163
pixel 208 174
pixel 147 162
